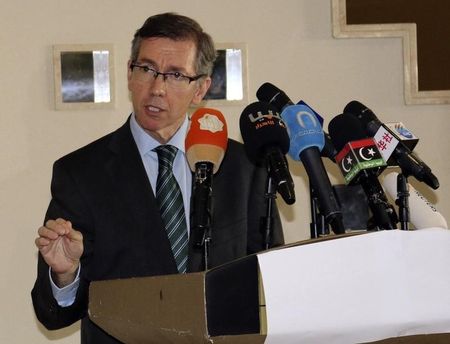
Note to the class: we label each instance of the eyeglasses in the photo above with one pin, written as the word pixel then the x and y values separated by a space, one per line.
pixel 174 80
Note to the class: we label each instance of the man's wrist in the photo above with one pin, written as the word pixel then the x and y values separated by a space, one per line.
pixel 65 296
pixel 64 279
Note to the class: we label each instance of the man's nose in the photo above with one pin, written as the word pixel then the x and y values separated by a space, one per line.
pixel 158 86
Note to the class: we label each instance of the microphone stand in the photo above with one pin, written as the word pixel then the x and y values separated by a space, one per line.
pixel 403 201
pixel 267 221
pixel 384 216
pixel 202 210
pixel 318 226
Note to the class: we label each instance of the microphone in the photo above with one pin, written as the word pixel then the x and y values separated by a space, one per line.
pixel 271 94
pixel 422 213
pixel 361 163
pixel 266 139
pixel 206 143
pixel 409 163
pixel 306 141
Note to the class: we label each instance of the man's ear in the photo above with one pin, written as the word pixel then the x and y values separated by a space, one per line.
pixel 201 91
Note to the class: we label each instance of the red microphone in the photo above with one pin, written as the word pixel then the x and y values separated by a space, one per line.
pixel 206 143
pixel 207 138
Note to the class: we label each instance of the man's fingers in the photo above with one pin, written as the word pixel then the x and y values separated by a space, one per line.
pixel 49 233
pixel 75 235
pixel 59 225
pixel 41 242
pixel 60 221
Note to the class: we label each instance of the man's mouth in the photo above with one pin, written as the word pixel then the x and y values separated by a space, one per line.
pixel 152 108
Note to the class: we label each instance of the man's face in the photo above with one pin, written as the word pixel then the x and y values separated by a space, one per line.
pixel 159 108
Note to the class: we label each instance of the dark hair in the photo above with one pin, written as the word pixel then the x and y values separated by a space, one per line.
pixel 177 27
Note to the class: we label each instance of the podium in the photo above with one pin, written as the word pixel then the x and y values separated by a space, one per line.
pixel 378 287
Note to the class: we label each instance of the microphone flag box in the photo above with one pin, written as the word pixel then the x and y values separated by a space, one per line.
pixel 357 156
pixel 386 143
pixel 279 297
pixel 388 137
pixel 403 134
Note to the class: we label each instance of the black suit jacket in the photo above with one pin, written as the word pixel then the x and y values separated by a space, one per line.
pixel 104 190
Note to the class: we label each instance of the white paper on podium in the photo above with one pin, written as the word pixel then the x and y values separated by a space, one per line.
pixel 358 289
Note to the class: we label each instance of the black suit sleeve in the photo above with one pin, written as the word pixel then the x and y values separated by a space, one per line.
pixel 66 203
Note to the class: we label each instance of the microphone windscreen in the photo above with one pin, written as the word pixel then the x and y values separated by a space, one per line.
pixel 261 128
pixel 354 107
pixel 269 93
pixel 345 128
pixel 304 129
pixel 361 111
pixel 207 138
pixel 422 213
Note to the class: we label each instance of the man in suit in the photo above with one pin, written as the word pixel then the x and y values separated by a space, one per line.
pixel 104 219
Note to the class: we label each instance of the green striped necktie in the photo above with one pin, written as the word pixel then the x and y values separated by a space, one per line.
pixel 170 201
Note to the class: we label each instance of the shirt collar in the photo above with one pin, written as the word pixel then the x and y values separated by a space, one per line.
pixel 146 143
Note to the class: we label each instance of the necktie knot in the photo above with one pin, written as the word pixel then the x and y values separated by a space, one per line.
pixel 166 156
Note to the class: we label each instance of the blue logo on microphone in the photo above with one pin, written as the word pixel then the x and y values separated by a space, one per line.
pixel 304 129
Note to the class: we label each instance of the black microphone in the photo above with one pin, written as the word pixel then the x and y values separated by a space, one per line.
pixel 306 141
pixel 271 94
pixel 266 139
pixel 409 163
pixel 361 163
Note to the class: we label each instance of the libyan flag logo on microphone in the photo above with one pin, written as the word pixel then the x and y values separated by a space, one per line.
pixel 357 156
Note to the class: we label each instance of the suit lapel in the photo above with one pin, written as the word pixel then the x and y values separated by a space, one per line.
pixel 131 182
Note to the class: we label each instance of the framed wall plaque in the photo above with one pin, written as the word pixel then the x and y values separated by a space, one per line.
pixel 83 76
pixel 229 77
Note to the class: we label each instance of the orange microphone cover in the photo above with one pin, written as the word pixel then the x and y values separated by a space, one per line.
pixel 207 138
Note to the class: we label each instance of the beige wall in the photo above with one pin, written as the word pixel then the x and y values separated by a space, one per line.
pixel 289 44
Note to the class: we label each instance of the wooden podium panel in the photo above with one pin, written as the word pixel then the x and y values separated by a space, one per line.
pixel 390 287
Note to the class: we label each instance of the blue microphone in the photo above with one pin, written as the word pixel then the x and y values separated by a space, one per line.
pixel 271 94
pixel 304 130
pixel 306 142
